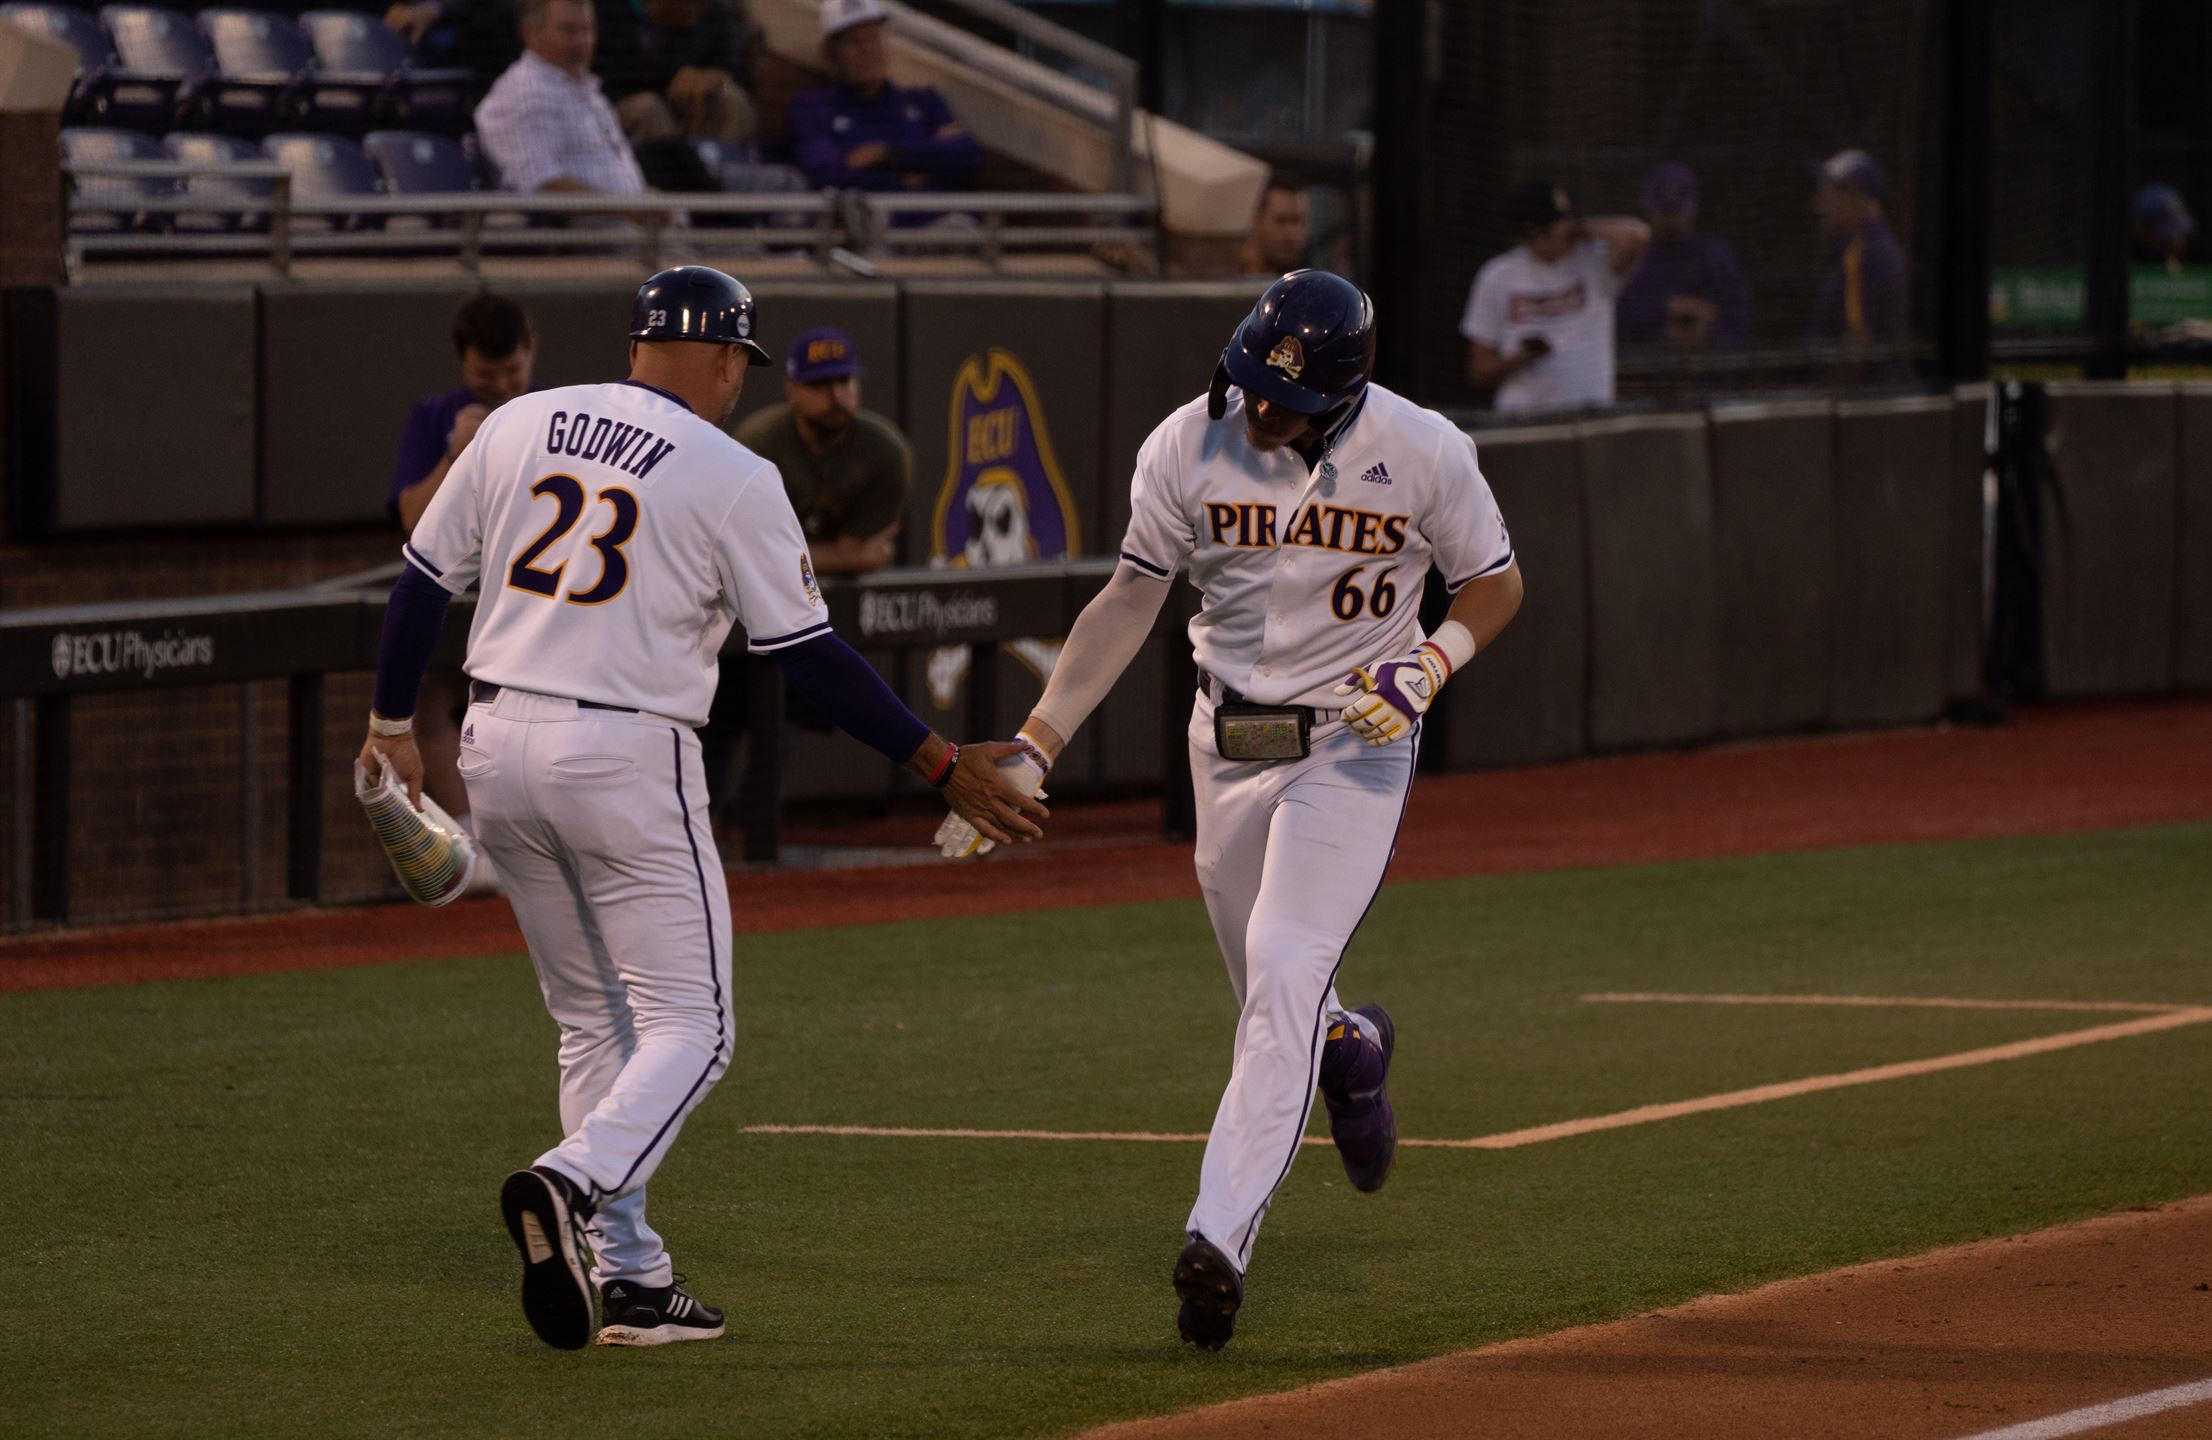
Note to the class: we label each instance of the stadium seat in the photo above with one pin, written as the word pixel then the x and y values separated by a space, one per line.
pixel 91 144
pixel 261 70
pixel 414 163
pixel 80 31
pixel 326 165
pixel 164 63
pixel 737 171
pixel 357 54
pixel 192 149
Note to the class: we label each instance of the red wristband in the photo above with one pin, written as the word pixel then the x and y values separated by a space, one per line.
pixel 945 764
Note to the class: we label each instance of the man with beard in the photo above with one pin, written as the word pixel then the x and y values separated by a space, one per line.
pixel 847 471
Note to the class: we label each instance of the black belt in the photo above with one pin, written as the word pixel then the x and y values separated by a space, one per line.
pixel 1221 694
pixel 483 692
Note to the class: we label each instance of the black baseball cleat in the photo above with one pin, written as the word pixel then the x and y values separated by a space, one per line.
pixel 634 1314
pixel 1354 1070
pixel 545 1215
pixel 1211 1290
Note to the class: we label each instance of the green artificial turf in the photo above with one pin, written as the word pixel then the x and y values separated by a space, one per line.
pixel 268 1205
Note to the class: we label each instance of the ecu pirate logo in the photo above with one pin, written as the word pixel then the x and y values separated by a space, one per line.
pixel 1288 356
pixel 1004 500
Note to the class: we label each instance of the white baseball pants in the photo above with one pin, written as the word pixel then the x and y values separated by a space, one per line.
pixel 597 821
pixel 1290 856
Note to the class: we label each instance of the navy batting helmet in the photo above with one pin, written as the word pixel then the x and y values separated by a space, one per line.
pixel 1308 346
pixel 693 302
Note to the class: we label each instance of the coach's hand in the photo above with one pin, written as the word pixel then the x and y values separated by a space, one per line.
pixel 984 793
pixel 1393 695
pixel 406 761
pixel 1023 772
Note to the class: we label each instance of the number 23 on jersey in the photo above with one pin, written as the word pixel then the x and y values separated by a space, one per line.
pixel 614 568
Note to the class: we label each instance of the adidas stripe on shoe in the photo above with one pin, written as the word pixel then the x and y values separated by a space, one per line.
pixel 634 1314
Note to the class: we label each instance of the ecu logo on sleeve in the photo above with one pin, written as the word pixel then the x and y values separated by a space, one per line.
pixel 807 581
pixel 1288 356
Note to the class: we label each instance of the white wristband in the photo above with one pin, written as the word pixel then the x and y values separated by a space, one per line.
pixel 1456 642
pixel 1042 760
pixel 378 725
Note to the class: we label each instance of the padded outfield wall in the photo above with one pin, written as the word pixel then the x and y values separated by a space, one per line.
pixel 1692 576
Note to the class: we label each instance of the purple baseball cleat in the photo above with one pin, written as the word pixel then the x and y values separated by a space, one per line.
pixel 1353 1071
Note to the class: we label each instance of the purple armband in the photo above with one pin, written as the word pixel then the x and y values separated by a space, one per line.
pixel 413 620
pixel 847 690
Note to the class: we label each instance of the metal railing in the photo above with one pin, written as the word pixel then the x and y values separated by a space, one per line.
pixel 1103 220
pixel 468 226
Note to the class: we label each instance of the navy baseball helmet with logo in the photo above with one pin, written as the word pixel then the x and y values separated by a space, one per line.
pixel 693 302
pixel 1308 346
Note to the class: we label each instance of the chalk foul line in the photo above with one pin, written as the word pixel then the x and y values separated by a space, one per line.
pixel 2163 1017
pixel 1814 1084
pixel 2097 1417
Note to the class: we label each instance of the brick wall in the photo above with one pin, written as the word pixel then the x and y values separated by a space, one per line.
pixel 170 567
pixel 158 794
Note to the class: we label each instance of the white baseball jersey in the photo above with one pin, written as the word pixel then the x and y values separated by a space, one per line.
pixel 1569 302
pixel 1308 575
pixel 619 536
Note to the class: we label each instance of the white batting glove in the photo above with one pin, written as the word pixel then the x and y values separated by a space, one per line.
pixel 1392 695
pixel 1025 771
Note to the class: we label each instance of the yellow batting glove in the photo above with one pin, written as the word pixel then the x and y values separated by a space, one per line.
pixel 1390 698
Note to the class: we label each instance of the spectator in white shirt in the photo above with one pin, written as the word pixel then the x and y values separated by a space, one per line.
pixel 1539 318
pixel 545 122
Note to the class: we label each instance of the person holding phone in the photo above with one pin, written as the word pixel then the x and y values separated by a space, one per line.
pixel 1539 317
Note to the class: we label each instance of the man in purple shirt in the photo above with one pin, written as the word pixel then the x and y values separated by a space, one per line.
pixel 863 132
pixel 1861 302
pixel 1690 293
pixel 497 347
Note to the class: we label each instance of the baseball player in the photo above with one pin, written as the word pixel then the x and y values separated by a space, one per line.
pixel 618 533
pixel 1307 505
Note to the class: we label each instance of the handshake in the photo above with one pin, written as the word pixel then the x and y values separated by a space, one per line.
pixel 1014 790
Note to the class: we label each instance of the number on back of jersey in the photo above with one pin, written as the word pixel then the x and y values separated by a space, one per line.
pixel 567 492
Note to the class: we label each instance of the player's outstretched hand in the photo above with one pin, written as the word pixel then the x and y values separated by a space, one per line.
pixel 1023 771
pixel 1392 696
pixel 989 799
pixel 406 762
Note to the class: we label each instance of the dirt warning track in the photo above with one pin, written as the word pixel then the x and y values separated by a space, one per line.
pixel 2102 1328
pixel 2057 768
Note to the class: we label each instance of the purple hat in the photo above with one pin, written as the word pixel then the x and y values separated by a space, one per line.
pixel 1854 170
pixel 2161 210
pixel 823 353
pixel 1669 189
